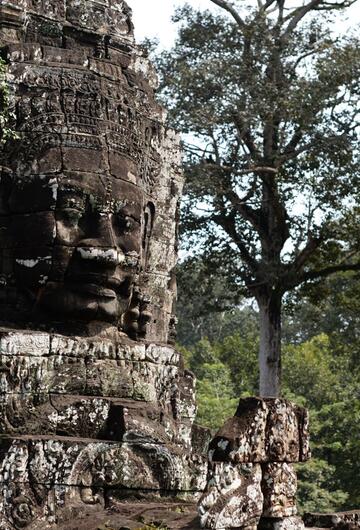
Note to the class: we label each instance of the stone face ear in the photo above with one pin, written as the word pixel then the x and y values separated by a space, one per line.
pixel 149 218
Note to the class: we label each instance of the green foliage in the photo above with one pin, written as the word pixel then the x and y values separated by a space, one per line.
pixel 215 392
pixel 321 368
pixel 272 152
pixel 216 401
pixel 316 377
pixel 308 370
pixel 207 306
pixel 316 491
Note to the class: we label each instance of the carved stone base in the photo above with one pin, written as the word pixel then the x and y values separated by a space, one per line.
pixel 41 476
pixel 84 422
pixel 233 496
pixel 284 523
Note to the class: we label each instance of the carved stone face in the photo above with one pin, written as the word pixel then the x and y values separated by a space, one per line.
pixel 72 244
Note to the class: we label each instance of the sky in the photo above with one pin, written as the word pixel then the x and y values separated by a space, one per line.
pixel 152 18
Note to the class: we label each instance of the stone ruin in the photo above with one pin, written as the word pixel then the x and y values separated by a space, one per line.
pixel 251 478
pixel 252 482
pixel 96 405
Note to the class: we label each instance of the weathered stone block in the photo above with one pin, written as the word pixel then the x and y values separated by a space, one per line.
pixel 200 439
pixel 263 430
pixel 97 368
pixel 233 496
pixel 56 468
pixel 287 434
pixel 279 486
pixel 242 438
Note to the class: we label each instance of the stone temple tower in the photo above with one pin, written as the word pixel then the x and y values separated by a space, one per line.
pixel 95 403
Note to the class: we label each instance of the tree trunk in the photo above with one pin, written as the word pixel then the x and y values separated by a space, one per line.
pixel 270 344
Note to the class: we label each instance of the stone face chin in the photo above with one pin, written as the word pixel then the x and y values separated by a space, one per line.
pixel 95 405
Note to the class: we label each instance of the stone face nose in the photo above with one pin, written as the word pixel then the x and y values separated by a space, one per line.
pixel 102 247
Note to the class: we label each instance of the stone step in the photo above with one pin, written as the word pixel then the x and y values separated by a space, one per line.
pixel 99 417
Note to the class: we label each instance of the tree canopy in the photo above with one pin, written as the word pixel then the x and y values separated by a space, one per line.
pixel 268 101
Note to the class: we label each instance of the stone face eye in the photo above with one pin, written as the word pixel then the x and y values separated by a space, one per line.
pixel 71 216
pixel 71 200
pixel 122 223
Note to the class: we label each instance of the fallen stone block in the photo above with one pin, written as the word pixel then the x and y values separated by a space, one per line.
pixel 232 498
pixel 200 439
pixel 330 520
pixel 287 432
pixel 242 438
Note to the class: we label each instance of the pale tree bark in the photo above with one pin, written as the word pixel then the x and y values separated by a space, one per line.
pixel 270 344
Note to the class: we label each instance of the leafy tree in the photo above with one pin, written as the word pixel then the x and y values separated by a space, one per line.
pixel 204 302
pixel 333 308
pixel 328 385
pixel 269 100
pixel 310 371
pixel 336 440
pixel 208 308
pixel 316 489
pixel 314 378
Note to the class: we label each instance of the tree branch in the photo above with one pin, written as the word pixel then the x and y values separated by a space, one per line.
pixel 327 271
pixel 246 137
pixel 297 15
pixel 268 4
pixel 245 211
pixel 310 247
pixel 228 224
pixel 224 4
pixel 288 155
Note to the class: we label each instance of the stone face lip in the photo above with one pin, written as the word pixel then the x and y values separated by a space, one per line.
pixel 333 520
pixel 263 430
